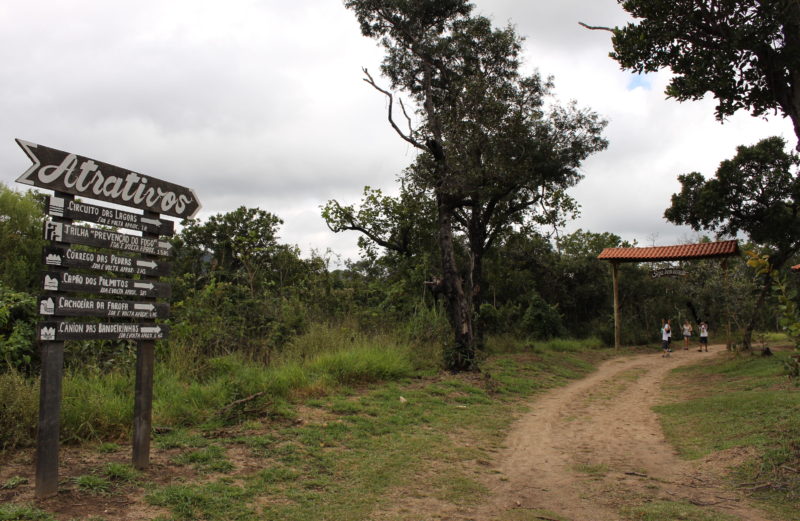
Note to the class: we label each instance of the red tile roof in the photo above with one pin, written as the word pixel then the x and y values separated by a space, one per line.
pixel 704 250
pixel 796 268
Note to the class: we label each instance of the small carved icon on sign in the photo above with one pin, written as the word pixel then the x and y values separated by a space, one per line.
pixel 53 231
pixel 50 283
pixel 47 307
pixel 47 333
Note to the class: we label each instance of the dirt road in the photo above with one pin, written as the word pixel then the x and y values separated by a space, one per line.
pixel 587 450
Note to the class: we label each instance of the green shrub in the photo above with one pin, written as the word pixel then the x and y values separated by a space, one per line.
pixel 18 317
pixel 363 364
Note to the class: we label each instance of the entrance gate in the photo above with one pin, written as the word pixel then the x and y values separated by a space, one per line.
pixel 704 250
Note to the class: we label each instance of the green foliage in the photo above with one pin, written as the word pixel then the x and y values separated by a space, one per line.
pixel 788 309
pixel 215 501
pixel 18 317
pixel 496 153
pixel 120 472
pixel 208 459
pixel 19 409
pixel 674 511
pixel 93 484
pixel 364 365
pixel 541 320
pixel 14 512
pixel 21 239
pixel 743 402
pixel 13 482
pixel 743 51
pixel 757 192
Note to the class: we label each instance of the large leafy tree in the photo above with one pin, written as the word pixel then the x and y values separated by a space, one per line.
pixel 239 246
pixel 489 151
pixel 745 52
pixel 757 193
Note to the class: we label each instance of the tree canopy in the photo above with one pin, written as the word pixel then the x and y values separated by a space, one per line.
pixel 745 52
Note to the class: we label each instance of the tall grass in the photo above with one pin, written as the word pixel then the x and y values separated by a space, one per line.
pixel 496 344
pixel 189 390
pixel 19 408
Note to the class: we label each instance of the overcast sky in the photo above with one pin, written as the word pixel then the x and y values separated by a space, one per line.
pixel 261 103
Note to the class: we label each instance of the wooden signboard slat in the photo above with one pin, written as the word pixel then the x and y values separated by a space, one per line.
pixel 91 260
pixel 80 211
pixel 102 285
pixel 60 330
pixel 69 233
pixel 78 175
pixel 65 306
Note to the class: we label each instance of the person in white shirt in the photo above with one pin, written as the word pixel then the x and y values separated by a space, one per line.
pixel 687 333
pixel 666 336
pixel 703 336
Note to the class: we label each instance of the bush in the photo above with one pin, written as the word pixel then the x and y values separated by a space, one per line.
pixel 541 320
pixel 18 317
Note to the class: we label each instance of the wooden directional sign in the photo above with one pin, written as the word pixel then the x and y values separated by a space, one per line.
pixel 56 331
pixel 72 258
pixel 73 174
pixel 63 232
pixel 80 211
pixel 64 306
pixel 80 283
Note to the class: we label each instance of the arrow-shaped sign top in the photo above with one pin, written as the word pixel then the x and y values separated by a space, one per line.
pixel 73 174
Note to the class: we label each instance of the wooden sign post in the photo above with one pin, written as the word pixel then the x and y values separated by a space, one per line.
pixel 73 270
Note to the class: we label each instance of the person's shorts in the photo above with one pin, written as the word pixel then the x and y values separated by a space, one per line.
pixel 687 336
pixel 665 345
pixel 703 339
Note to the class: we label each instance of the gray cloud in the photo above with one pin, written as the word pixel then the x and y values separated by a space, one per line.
pixel 262 104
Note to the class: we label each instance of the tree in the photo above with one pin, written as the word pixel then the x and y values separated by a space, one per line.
pixel 489 153
pixel 237 246
pixel 745 52
pixel 757 193
pixel 21 239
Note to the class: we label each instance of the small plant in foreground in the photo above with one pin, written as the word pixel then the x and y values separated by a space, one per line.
pixel 14 482
pixel 210 459
pixel 120 472
pixel 23 513
pixel 108 448
pixel 93 484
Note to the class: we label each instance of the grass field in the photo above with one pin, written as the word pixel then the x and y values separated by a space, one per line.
pixel 334 436
pixel 331 438
pixel 744 404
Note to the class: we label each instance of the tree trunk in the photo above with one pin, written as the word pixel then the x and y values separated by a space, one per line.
pixel 461 355
pixel 477 297
pixel 792 35
pixel 747 337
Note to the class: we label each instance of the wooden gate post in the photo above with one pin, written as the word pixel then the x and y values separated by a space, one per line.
pixel 617 323
pixel 143 398
pixel 48 428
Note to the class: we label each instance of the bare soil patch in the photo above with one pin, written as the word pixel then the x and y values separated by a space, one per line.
pixel 589 449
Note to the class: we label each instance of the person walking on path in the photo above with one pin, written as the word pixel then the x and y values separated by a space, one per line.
pixel 687 333
pixel 703 336
pixel 666 333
